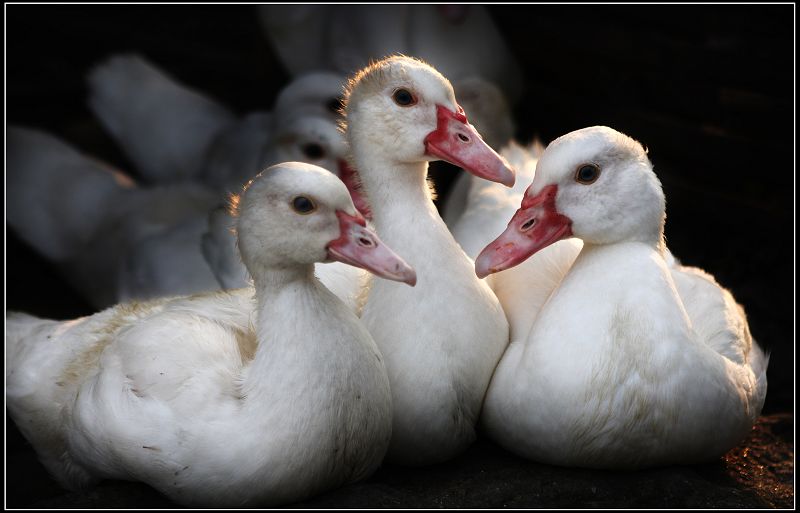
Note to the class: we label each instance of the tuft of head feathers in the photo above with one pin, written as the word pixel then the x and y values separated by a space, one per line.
pixel 233 203
pixel 372 78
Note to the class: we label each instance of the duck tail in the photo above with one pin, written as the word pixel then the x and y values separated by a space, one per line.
pixel 759 361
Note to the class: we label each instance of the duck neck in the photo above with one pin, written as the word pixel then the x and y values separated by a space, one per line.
pixel 287 300
pixel 652 238
pixel 398 192
pixel 270 280
pixel 606 266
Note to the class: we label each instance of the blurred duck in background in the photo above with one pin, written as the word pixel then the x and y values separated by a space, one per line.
pixel 95 223
pixel 173 133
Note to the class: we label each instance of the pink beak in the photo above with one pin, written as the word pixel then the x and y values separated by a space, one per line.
pixel 359 246
pixel 351 180
pixel 536 225
pixel 457 142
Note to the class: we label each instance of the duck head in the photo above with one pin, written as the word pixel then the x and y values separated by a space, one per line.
pixel 296 214
pixel 596 184
pixel 407 110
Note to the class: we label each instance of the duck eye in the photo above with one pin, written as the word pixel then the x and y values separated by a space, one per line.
pixel 587 173
pixel 404 98
pixel 313 151
pixel 333 105
pixel 303 205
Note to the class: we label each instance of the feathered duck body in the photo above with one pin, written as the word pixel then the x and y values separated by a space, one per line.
pixel 442 341
pixel 629 363
pixel 228 398
pixel 155 392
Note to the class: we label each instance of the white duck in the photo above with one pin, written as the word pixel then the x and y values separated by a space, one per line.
pixel 228 398
pixel 173 133
pixel 628 364
pixel 442 342
pixel 479 211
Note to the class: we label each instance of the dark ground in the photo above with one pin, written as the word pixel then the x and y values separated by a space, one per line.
pixel 708 89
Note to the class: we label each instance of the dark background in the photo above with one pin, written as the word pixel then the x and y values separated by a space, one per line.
pixel 708 89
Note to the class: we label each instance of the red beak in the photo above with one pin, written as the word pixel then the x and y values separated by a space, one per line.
pixel 359 246
pixel 536 225
pixel 351 180
pixel 457 142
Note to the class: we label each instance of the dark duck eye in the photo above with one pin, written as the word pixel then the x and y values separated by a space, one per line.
pixel 313 151
pixel 587 173
pixel 404 98
pixel 303 205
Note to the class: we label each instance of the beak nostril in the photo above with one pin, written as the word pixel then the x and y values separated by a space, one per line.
pixel 463 138
pixel 363 241
pixel 528 224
